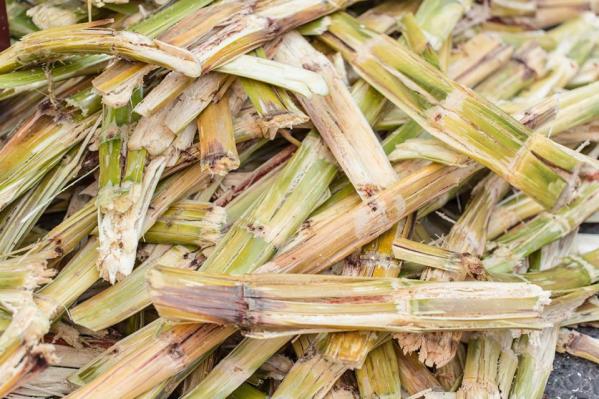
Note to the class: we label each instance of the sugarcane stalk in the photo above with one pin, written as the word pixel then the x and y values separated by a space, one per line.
pixel 81 273
pixel 526 65
pixel 543 229
pixel 19 217
pixel 298 80
pixel 312 170
pixel 89 38
pixel 541 14
pixel 511 211
pixel 263 171
pixel 571 272
pixel 570 109
pixel 442 107
pixel 15 83
pixel 384 17
pixel 349 138
pixel 259 23
pixel 468 235
pixel 348 350
pixel 307 175
pixel 361 223
pixel 235 368
pixel 341 305
pixel 437 258
pixel 310 152
pixel 181 28
pixel 21 166
pixel 274 106
pixel 340 352
pixel 588 72
pixel 536 351
pixel 577 344
pixel 379 376
pixel 478 58
pixel 218 154
pixel 121 208
pixel 54 378
pixel 188 223
pixel 588 312
pixel 24 277
pixel 482 365
pixel 172 349
pixel 414 376
pixel 21 353
pixel 429 149
pixel 450 376
pixel 128 297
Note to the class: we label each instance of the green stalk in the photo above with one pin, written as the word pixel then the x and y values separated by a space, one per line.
pixel 436 258
pixel 123 195
pixel 306 175
pixel 88 38
pixel 236 367
pixel 128 296
pixel 20 350
pixel 477 58
pixel 482 368
pixel 571 272
pixel 536 351
pixel 189 223
pixel 379 376
pixel 426 148
pixel 15 83
pixel 236 36
pixel 511 211
pixel 274 106
pixel 22 166
pixel 510 248
pixel 451 113
pixel 20 217
pixel 251 241
pixel 526 66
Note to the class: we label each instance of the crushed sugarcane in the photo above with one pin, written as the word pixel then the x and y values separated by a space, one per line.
pixel 297 198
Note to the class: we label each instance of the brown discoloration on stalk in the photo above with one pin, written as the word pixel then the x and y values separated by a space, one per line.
pixel 414 376
pixel 273 163
pixel 218 153
pixel 577 344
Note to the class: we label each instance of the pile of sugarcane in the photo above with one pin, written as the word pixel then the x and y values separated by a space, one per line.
pixel 297 198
